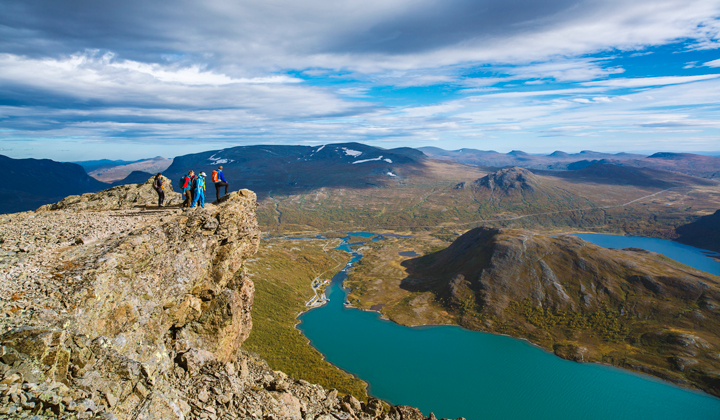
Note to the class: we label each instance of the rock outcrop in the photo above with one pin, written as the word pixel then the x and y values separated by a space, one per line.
pixel 114 316
pixel 121 197
pixel 509 181
pixel 140 314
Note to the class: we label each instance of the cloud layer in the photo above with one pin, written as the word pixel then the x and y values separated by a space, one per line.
pixel 460 73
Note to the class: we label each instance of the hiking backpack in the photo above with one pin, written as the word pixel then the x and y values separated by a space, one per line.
pixel 214 176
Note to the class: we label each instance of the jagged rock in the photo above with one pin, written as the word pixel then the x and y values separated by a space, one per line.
pixel 374 407
pixel 121 197
pixel 194 359
pixel 404 412
pixel 353 403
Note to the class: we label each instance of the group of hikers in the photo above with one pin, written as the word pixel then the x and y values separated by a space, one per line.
pixel 193 187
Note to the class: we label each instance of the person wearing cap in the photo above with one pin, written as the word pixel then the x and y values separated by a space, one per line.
pixel 219 179
pixel 199 190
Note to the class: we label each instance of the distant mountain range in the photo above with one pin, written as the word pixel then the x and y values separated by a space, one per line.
pixel 288 169
pixel 556 160
pixel 112 173
pixel 366 184
pixel 687 163
pixel 93 165
pixel 29 183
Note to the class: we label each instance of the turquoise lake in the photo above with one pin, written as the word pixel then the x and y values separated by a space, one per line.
pixel 455 372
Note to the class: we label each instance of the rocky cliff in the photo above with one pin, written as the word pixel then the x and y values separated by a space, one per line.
pixel 110 311
pixel 628 307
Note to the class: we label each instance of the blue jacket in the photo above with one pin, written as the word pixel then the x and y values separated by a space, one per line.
pixel 200 184
pixel 188 183
pixel 221 177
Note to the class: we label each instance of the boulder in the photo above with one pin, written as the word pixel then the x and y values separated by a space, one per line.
pixel 404 412
pixel 194 359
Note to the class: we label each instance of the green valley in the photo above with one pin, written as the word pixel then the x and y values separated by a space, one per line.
pixel 283 270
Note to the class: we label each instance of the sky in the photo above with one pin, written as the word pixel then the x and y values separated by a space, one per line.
pixel 91 79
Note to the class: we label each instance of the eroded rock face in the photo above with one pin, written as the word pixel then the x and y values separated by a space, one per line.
pixel 181 280
pixel 123 308
pixel 143 318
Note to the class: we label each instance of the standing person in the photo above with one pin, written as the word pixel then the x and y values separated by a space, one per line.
pixel 187 188
pixel 219 179
pixel 199 190
pixel 159 187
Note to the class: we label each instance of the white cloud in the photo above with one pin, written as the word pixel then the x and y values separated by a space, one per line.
pixel 358 92
pixel 223 70
pixel 651 81
pixel 565 70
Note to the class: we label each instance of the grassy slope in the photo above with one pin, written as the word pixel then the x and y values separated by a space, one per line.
pixel 282 272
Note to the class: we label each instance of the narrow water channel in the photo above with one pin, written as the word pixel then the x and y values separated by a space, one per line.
pixel 456 372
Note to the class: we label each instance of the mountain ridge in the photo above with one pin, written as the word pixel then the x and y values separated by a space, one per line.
pixel 687 163
pixel 30 183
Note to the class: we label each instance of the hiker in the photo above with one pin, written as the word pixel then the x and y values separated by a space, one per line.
pixel 219 179
pixel 159 187
pixel 199 190
pixel 186 185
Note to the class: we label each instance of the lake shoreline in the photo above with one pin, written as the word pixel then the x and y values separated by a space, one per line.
pixel 381 316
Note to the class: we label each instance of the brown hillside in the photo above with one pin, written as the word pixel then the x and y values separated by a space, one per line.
pixel 627 307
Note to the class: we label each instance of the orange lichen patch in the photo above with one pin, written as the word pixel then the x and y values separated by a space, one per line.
pixel 17 296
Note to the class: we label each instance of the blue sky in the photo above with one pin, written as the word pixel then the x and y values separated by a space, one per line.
pixel 128 80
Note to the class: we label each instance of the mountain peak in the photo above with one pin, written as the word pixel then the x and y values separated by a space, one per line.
pixel 518 153
pixel 559 154
pixel 509 180
pixel 669 156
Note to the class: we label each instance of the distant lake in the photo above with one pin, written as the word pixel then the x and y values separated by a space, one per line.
pixel 686 254
pixel 456 372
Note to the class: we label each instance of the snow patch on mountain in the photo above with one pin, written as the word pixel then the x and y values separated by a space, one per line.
pixel 351 152
pixel 218 160
pixel 367 160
